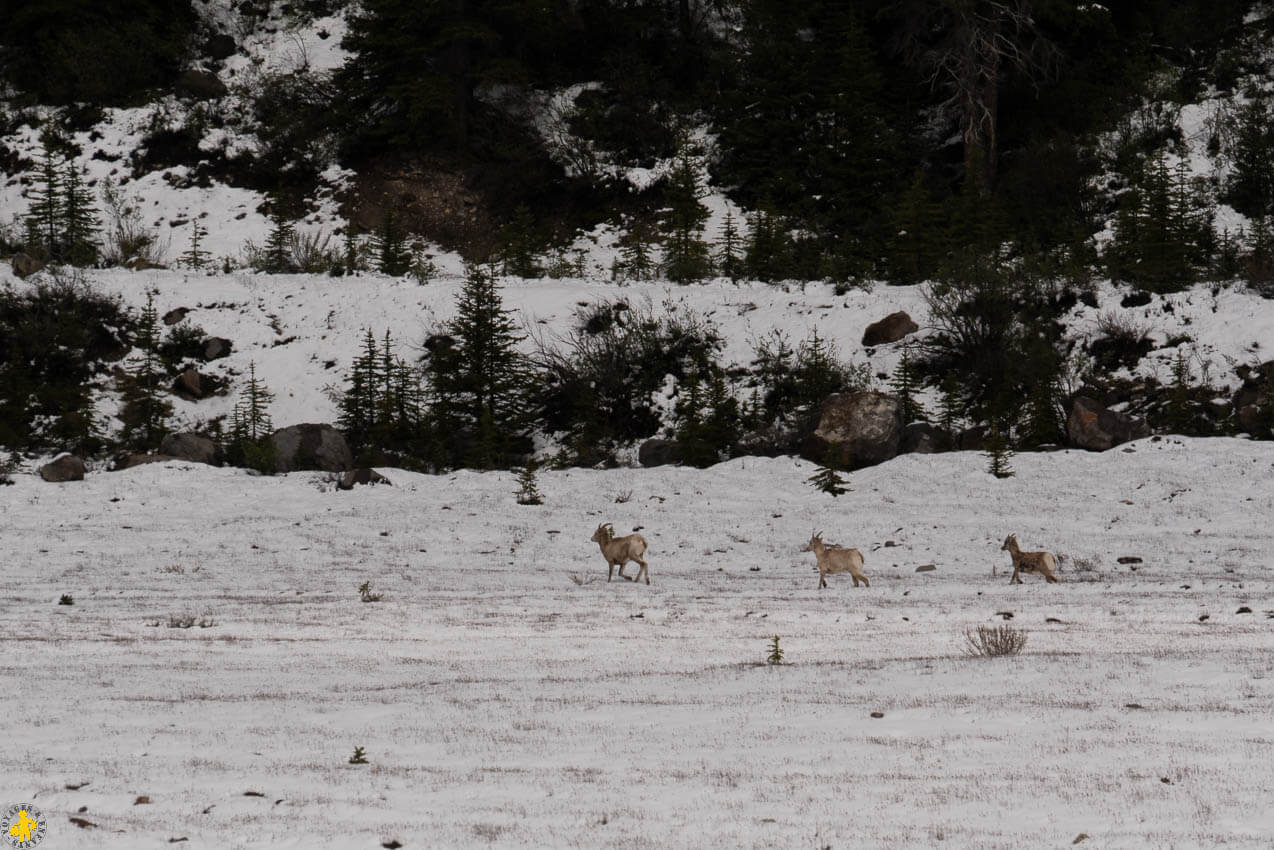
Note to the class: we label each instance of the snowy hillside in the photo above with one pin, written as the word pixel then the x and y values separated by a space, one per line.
pixel 217 670
pixel 303 332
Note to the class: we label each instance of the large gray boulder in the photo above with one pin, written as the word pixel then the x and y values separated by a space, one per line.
pixel 892 328
pixel 922 438
pixel 200 85
pixel 64 468
pixel 311 446
pixel 854 430
pixel 659 452
pixel 1096 428
pixel 24 265
pixel 192 447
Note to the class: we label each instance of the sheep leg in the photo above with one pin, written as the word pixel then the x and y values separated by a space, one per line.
pixel 623 564
pixel 644 571
pixel 611 574
pixel 866 583
pixel 1016 579
pixel 822 580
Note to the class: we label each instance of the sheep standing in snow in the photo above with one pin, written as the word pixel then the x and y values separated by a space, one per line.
pixel 835 559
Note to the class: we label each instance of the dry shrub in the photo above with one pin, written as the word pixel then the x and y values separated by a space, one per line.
pixel 994 641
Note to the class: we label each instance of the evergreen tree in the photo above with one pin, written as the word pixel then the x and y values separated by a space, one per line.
pixel 906 382
pixel 828 478
pixel 1163 231
pixel 919 238
pixel 481 396
pixel 145 412
pixel 1043 424
pixel 195 257
pixel 392 256
pixel 950 405
pixel 528 487
pixel 354 255
pixel 518 237
pixel 1258 258
pixel 691 435
pixel 682 222
pixel 416 71
pixel 1179 411
pixel 1250 188
pixel 44 218
pixel 729 257
pixel 805 124
pixel 80 223
pixel 249 441
pixel 360 402
pixel 767 250
pixel 636 262
pixel 998 452
pixel 277 257
pixel 84 51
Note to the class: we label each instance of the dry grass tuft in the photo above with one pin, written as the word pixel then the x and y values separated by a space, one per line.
pixel 994 641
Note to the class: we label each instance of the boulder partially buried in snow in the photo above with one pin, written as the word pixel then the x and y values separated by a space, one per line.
pixel 1096 428
pixel 854 430
pixel 892 328
pixel 362 475
pixel 311 446
pixel 659 452
pixel 65 468
pixel 192 447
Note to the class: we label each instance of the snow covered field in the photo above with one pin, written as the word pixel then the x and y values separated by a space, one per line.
pixel 506 695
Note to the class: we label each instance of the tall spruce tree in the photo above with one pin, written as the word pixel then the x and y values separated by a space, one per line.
pixel 729 256
pixel 80 222
pixel 44 218
pixel 145 411
pixel 248 442
pixel 1163 231
pixel 481 385
pixel 682 221
pixel 392 256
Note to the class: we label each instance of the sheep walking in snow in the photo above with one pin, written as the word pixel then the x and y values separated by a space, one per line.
pixel 1029 562
pixel 620 550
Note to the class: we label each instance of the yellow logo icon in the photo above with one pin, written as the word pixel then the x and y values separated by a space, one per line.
pixel 22 826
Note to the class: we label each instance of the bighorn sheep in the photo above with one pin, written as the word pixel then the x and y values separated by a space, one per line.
pixel 618 551
pixel 835 559
pixel 1029 562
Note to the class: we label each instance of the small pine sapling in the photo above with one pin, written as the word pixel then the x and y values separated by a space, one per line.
pixel 1178 413
pixel 66 599
pixel 277 257
pixel 998 453
pixel 359 757
pixel 906 381
pixel 528 488
pixel 195 257
pixel 730 250
pixel 776 652
pixel 365 593
pixel 392 256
